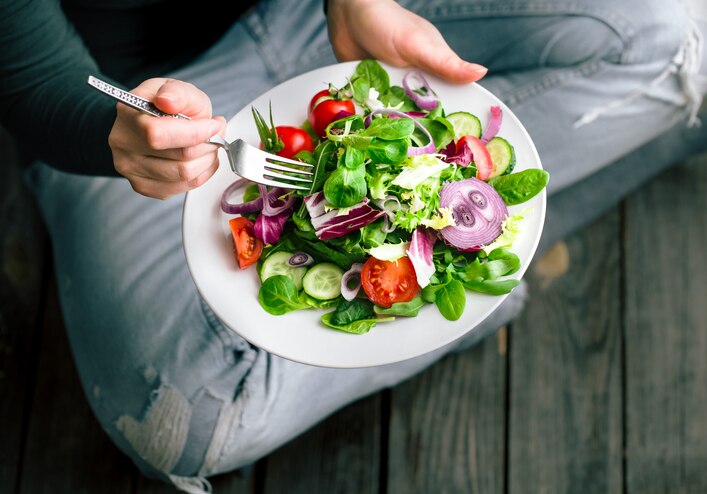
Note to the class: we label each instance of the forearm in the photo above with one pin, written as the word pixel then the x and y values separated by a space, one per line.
pixel 45 102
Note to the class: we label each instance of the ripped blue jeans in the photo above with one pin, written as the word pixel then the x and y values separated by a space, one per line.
pixel 184 396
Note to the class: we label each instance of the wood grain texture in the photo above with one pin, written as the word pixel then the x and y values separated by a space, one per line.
pixel 666 333
pixel 447 425
pixel 22 266
pixel 341 455
pixel 565 427
pixel 66 449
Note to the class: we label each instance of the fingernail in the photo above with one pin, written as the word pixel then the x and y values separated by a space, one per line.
pixel 479 69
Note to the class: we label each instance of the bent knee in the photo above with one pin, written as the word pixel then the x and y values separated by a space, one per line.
pixel 173 436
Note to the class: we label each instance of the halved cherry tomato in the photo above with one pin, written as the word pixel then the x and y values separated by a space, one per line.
pixel 324 109
pixel 247 246
pixel 388 282
pixel 294 140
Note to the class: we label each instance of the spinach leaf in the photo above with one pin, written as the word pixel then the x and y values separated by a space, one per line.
pixel 441 130
pixel 345 187
pixel 451 300
pixel 407 309
pixel 356 316
pixel 278 295
pixel 492 287
pixel 518 187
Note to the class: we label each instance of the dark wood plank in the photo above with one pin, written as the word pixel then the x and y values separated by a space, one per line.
pixel 565 428
pixel 666 334
pixel 66 450
pixel 447 425
pixel 342 455
pixel 22 254
pixel 239 482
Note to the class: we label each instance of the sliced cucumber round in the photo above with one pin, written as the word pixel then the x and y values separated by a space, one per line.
pixel 503 156
pixel 323 281
pixel 465 124
pixel 277 263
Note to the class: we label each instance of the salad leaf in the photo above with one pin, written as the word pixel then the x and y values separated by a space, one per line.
pixel 388 152
pixel 278 295
pixel 407 309
pixel 395 97
pixel 369 74
pixel 322 155
pixel 390 129
pixel 372 235
pixel 449 297
pixel 356 316
pixel 345 187
pixel 492 287
pixel 518 187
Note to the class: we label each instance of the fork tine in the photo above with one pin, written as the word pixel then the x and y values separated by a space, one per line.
pixel 270 174
pixel 275 183
pixel 287 169
pixel 278 160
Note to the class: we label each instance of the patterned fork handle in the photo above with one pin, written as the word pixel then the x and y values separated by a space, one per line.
pixel 130 99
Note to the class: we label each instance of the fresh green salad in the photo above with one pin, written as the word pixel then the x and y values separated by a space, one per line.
pixel 408 205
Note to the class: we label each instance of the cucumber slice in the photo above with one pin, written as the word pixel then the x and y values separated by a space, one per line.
pixel 276 263
pixel 465 124
pixel 503 156
pixel 323 281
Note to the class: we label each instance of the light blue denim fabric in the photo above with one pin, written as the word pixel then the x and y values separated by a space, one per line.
pixel 185 397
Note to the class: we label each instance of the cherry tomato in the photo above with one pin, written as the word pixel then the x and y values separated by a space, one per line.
pixel 482 158
pixel 388 282
pixel 294 140
pixel 246 245
pixel 324 109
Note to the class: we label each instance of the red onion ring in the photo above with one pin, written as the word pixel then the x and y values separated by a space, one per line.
pixel 242 208
pixel 272 204
pixel 494 124
pixel 299 259
pixel 352 275
pixel 478 212
pixel 418 90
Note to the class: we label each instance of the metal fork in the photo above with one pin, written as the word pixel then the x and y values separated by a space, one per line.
pixel 247 161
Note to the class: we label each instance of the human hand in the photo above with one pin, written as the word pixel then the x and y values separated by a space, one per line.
pixel 384 30
pixel 162 157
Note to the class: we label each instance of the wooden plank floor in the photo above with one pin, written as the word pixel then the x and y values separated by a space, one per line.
pixel 600 386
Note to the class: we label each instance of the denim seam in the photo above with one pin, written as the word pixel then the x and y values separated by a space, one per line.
pixel 231 342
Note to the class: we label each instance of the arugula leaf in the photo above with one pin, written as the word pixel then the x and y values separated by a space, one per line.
pixel 278 295
pixel 518 187
pixel 320 160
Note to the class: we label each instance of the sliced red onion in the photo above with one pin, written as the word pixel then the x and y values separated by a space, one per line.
pixel 412 150
pixel 388 225
pixel 418 90
pixel 351 281
pixel 494 124
pixel 300 259
pixel 420 254
pixel 242 208
pixel 272 203
pixel 478 212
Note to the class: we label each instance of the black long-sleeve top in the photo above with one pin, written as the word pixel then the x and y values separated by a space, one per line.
pixel 48 48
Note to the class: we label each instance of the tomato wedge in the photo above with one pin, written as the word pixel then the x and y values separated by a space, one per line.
pixel 246 245
pixel 389 282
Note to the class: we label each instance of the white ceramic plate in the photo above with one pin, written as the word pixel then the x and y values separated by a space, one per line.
pixel 300 336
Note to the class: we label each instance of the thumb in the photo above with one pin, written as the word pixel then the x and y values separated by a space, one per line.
pixel 436 57
pixel 182 97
